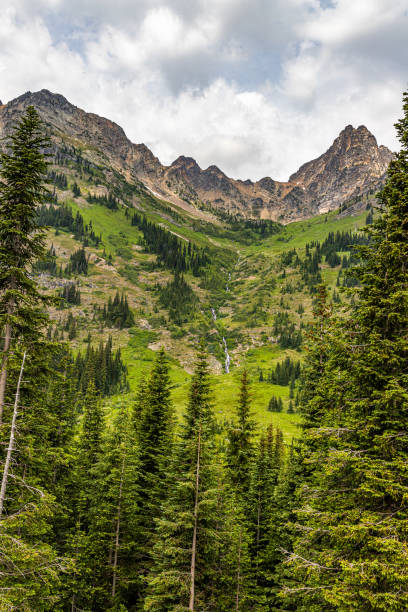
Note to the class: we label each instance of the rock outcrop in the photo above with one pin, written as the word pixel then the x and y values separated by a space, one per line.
pixel 353 165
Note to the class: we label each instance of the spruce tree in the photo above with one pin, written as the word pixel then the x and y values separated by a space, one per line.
pixel 240 450
pixel 80 588
pixel 113 533
pixel 283 506
pixel 185 553
pixel 22 188
pixel 155 419
pixel 351 551
pixel 264 478
pixel 29 566
pixel 233 582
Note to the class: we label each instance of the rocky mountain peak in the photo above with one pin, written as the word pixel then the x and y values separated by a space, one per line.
pixel 215 170
pixel 353 165
pixel 268 184
pixel 185 162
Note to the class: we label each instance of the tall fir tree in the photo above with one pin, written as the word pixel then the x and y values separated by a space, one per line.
pixel 240 451
pixel 29 566
pixel 186 549
pixel 351 553
pixel 114 531
pixel 264 478
pixel 155 420
pixel 81 591
pixel 22 188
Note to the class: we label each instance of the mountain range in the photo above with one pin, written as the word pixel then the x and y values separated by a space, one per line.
pixel 353 166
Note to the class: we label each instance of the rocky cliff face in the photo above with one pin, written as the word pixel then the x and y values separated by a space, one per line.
pixel 352 166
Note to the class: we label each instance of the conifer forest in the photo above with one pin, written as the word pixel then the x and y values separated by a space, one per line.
pixel 185 423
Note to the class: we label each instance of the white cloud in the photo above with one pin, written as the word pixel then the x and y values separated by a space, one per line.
pixel 253 86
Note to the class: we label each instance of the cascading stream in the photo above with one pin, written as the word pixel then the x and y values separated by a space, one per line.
pixel 224 342
pixel 227 357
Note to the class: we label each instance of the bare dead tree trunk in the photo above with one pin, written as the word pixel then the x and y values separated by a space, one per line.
pixel 238 572
pixel 73 605
pixel 117 535
pixel 258 531
pixel 3 374
pixel 194 546
pixel 11 440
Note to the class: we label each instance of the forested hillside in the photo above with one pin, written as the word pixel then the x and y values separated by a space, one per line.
pixel 198 411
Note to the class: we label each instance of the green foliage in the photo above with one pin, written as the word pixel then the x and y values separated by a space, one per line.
pixel 47 263
pixel 283 373
pixel 285 331
pixel 116 313
pixel 78 263
pixel 266 468
pixel 179 299
pixel 187 530
pixel 130 273
pixel 103 367
pixel 240 450
pixel 109 201
pixel 61 217
pixel 71 294
pixel 153 423
pixel 22 189
pixel 171 251
pixel 111 506
pixel 236 228
pixel 275 404
pixel 350 551
pixel 57 179
pixel 76 190
pixel 31 446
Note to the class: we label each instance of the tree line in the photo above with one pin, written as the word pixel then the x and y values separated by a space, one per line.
pixel 172 252
pixel 61 217
pixel 116 313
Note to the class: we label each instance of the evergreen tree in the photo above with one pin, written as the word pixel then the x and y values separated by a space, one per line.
pixel 76 190
pixel 28 563
pixel 82 591
pixel 154 437
pixel 71 294
pixel 275 404
pixel 264 478
pixel 113 533
pixel 179 298
pixel 240 450
pixel 351 551
pixel 22 189
pixel 283 506
pixel 117 312
pixel 104 367
pixel 233 583
pixel 185 554
pixel 78 263
pixel 320 342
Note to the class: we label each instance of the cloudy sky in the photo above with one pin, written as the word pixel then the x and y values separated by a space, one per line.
pixel 256 87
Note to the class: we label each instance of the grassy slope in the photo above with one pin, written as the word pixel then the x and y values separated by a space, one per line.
pixel 245 312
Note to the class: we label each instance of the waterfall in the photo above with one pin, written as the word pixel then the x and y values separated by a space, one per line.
pixel 227 357
pixel 224 342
